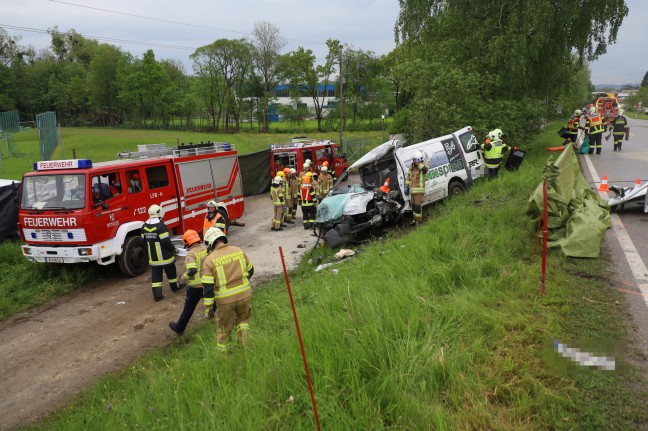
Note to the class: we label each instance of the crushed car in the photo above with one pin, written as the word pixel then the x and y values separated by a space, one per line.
pixel 370 197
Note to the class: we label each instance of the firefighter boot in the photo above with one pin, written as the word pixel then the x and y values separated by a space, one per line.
pixel 174 327
pixel 157 294
pixel 175 286
pixel 242 333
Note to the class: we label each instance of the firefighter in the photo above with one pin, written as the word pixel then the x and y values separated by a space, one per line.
pixel 619 128
pixel 329 170
pixel 306 168
pixel 161 252
pixel 415 185
pixel 594 128
pixel 288 197
pixel 294 190
pixel 213 218
pixel 494 150
pixel 196 254
pixel 134 185
pixel 326 183
pixel 308 201
pixel 573 125
pixel 278 203
pixel 225 279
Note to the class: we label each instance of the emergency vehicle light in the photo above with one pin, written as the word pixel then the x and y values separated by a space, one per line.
pixel 49 165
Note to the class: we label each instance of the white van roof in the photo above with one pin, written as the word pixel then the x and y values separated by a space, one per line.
pixel 376 154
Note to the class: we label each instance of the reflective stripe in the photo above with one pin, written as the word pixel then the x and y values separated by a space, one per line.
pixel 208 302
pixel 222 280
pixel 242 327
pixel 233 290
pixel 157 284
pixel 164 235
pixel 221 347
pixel 207 279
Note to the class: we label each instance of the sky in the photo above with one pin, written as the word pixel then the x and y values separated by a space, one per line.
pixel 174 29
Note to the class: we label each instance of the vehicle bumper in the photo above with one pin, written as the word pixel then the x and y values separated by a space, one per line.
pixel 45 254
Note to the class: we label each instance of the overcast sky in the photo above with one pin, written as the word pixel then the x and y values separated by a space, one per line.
pixel 174 29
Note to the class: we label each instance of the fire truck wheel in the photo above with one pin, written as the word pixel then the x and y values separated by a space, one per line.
pixel 456 188
pixel 226 217
pixel 134 259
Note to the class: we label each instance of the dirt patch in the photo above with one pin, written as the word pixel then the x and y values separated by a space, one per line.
pixel 50 354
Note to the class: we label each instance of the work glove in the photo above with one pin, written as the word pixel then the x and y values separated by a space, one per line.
pixel 210 313
pixel 407 190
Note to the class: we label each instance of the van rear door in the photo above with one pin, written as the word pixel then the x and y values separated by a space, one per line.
pixel 470 146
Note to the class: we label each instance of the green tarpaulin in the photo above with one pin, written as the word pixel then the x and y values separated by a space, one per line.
pixel 577 216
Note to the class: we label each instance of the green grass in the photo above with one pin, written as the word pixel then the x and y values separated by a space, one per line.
pixel 101 144
pixel 439 328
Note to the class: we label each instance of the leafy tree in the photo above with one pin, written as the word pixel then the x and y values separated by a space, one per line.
pixel 268 43
pixel 304 76
pixel 644 81
pixel 103 85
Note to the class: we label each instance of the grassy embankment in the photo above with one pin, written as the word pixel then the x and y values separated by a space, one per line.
pixel 441 328
pixel 24 285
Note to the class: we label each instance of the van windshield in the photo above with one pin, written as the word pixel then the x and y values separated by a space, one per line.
pixel 66 192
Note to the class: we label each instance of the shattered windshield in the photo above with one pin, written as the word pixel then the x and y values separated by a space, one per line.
pixel 65 192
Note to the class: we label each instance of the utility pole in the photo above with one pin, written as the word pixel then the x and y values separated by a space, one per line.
pixel 340 104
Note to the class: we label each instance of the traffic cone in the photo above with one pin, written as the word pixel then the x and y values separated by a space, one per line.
pixel 637 183
pixel 385 187
pixel 604 185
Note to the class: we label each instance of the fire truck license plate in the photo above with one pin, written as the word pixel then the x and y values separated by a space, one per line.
pixel 54 259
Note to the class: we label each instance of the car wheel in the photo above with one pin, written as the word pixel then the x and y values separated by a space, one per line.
pixel 134 258
pixel 456 188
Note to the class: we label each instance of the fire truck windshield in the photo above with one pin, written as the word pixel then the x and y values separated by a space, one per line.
pixel 63 191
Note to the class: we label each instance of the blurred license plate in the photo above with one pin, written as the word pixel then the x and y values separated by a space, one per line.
pixel 54 259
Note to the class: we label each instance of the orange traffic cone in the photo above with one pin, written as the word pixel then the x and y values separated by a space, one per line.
pixel 637 183
pixel 604 186
pixel 385 187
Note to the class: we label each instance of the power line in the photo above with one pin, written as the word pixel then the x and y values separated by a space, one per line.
pixel 171 21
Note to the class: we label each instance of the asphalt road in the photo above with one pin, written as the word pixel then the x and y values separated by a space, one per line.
pixel 625 246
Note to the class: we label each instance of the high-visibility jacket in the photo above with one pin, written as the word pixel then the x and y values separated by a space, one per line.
pixel 287 192
pixel 326 184
pixel 193 264
pixel 416 178
pixel 277 196
pixel 620 125
pixel 573 124
pixel 294 188
pixel 156 235
pixel 594 124
pixel 307 195
pixel 225 275
pixel 493 157
pixel 214 220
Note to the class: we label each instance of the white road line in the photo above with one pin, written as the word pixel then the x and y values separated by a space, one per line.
pixel 637 266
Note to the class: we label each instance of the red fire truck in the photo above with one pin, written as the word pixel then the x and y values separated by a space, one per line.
pixel 77 211
pixel 294 155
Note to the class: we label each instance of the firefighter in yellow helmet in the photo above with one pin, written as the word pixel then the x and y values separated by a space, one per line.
pixel 226 277
pixel 278 202
pixel 161 252
pixel 196 254
pixel 214 218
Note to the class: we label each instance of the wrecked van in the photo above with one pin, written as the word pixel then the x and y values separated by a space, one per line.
pixel 370 195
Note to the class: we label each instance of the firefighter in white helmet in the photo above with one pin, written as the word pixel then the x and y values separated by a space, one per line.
pixel 278 202
pixel 225 278
pixel 161 252
pixel 494 151
pixel 214 218
pixel 415 185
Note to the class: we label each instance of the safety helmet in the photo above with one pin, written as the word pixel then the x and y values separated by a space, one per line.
pixel 293 171
pixel 592 110
pixel 135 176
pixel 578 112
pixel 156 211
pixel 621 112
pixel 418 156
pixel 212 204
pixel 324 169
pixel 499 133
pixel 492 135
pixel 280 173
pixel 190 237
pixel 286 171
pixel 212 235
pixel 308 162
pixel 277 180
pixel 326 163
pixel 306 179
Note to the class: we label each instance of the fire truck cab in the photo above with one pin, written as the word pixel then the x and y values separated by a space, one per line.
pixel 75 211
pixel 294 155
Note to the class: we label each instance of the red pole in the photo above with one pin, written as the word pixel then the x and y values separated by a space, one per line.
pixel 301 343
pixel 544 237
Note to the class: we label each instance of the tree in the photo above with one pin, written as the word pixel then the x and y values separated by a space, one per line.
pixel 644 81
pixel 268 42
pixel 298 68
pixel 103 85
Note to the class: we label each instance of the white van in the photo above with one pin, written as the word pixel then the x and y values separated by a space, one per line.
pixel 454 161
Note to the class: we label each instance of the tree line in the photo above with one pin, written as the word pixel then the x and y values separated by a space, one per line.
pixel 487 64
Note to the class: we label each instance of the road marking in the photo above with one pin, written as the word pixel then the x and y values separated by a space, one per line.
pixel 637 266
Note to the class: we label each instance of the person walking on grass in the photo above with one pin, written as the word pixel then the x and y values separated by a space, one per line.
pixel 225 278
pixel 196 254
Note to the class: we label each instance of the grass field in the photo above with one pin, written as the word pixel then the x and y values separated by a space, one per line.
pixel 441 327
pixel 101 144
